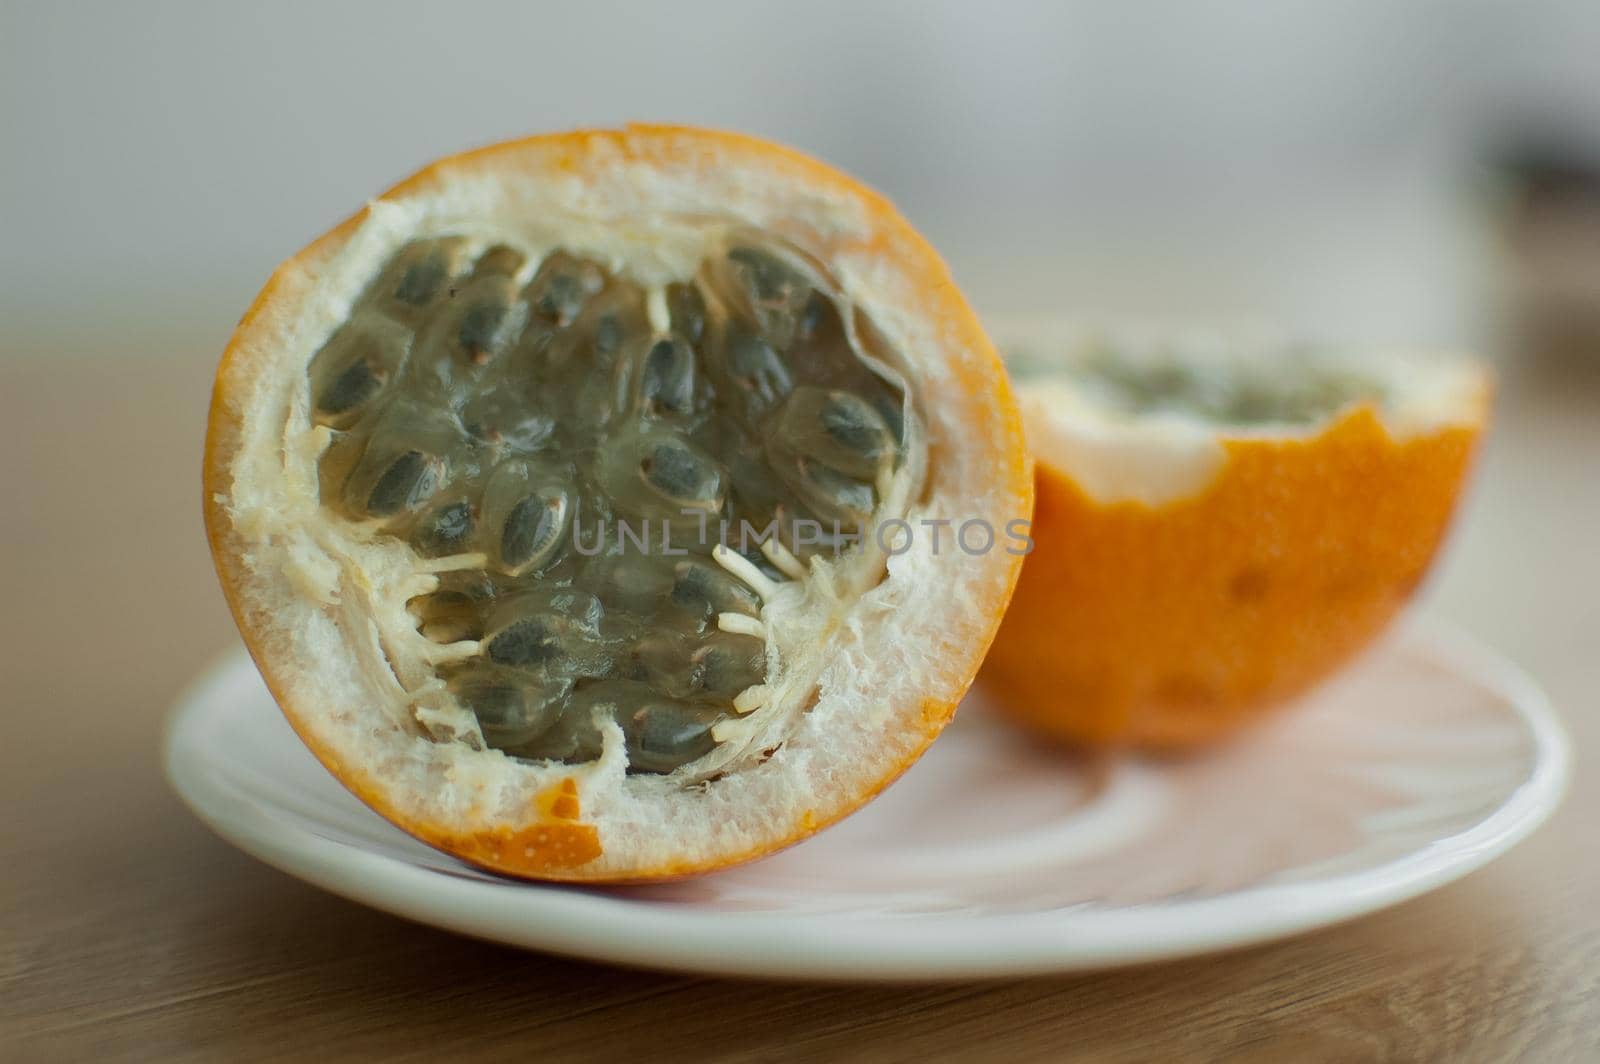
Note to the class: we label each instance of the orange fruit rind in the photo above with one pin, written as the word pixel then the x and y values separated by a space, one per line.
pixel 1220 523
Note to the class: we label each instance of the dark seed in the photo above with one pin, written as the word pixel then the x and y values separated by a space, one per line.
pixel 834 495
pixel 527 505
pixel 666 381
pixel 705 590
pixel 510 711
pixel 422 280
pixel 555 633
pixel 479 331
pixel 532 530
pixel 727 664
pixel 561 298
pixel 768 279
pixel 682 477
pixel 771 293
pixel 408 483
pixel 394 461
pixel 837 428
pixel 527 642
pixel 855 424
pixel 415 277
pixel 562 286
pixel 758 368
pixel 355 365
pixel 599 334
pixel 482 320
pixel 663 736
pixel 350 389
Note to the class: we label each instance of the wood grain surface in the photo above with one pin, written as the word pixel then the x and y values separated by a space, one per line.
pixel 127 930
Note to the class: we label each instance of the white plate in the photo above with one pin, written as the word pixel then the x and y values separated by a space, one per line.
pixel 991 856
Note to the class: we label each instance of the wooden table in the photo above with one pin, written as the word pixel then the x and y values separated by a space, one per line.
pixel 128 929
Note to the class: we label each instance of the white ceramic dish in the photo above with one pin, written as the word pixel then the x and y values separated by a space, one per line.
pixel 991 856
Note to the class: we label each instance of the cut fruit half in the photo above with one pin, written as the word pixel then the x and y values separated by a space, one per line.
pixel 549 493
pixel 1219 524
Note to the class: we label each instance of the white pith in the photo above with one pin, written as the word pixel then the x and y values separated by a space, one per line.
pixel 1156 457
pixel 844 674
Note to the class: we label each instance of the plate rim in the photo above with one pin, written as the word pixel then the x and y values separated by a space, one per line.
pixel 584 923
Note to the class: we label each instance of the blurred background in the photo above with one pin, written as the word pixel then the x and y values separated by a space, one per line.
pixel 1348 170
pixel 1391 171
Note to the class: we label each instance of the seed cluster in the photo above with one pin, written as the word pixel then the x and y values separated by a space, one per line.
pixel 1292 390
pixel 531 413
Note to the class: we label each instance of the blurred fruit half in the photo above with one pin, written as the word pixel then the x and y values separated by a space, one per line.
pixel 1219 524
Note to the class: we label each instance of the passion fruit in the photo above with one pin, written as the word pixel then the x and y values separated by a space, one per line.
pixel 1221 523
pixel 548 490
